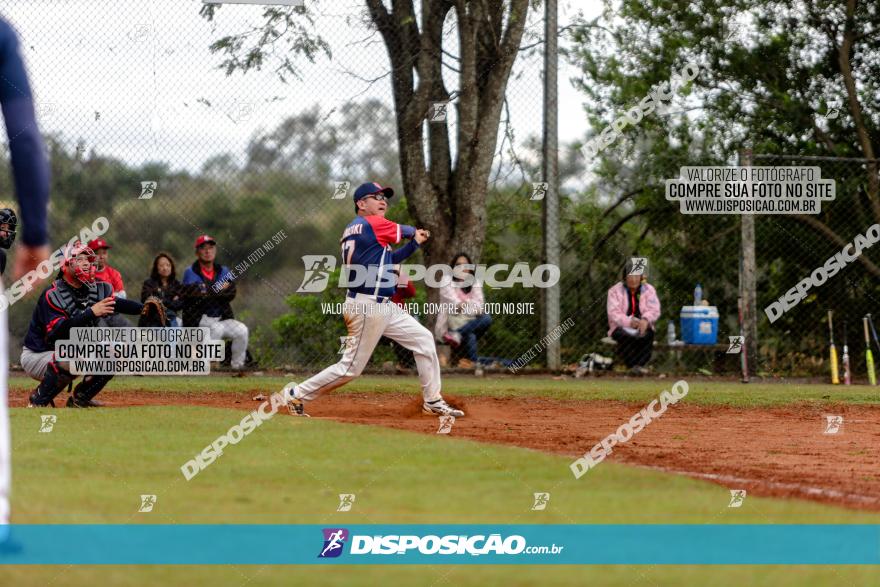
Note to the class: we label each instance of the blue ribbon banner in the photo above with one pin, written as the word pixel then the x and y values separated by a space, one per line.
pixel 719 544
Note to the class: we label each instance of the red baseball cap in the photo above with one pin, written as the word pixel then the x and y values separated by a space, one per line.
pixel 98 243
pixel 205 239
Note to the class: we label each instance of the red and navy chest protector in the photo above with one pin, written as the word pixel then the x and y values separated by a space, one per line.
pixel 367 257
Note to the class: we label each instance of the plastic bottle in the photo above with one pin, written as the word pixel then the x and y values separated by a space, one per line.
pixel 670 333
pixel 698 294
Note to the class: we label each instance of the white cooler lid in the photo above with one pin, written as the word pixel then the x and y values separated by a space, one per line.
pixel 699 312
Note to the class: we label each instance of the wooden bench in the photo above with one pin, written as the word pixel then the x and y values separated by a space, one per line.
pixel 715 354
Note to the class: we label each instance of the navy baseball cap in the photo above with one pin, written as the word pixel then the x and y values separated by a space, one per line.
pixel 370 188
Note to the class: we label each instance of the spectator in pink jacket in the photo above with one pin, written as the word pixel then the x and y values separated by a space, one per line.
pixel 462 318
pixel 633 309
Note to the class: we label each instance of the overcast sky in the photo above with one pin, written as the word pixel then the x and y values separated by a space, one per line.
pixel 131 79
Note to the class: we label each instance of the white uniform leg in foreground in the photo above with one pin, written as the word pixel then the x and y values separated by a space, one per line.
pixel 406 330
pixel 5 433
pixel 366 325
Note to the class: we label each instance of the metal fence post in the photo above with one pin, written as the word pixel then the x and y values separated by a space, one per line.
pixel 550 168
pixel 747 279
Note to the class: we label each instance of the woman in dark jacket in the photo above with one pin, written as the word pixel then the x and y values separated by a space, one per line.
pixel 164 285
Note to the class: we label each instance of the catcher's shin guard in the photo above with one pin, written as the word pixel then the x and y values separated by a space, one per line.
pixel 53 382
pixel 88 388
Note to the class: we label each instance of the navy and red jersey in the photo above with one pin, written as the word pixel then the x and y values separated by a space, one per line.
pixel 366 242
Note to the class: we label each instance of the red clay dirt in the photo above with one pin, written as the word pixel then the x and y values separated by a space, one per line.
pixel 782 451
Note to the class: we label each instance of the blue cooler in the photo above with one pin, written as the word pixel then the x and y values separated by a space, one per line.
pixel 699 324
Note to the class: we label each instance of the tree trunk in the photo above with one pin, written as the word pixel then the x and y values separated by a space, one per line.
pixel 448 196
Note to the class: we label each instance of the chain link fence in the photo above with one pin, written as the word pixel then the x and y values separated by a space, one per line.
pixel 145 129
pixel 791 248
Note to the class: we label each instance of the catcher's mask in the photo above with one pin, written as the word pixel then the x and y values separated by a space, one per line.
pixel 8 217
pixel 72 269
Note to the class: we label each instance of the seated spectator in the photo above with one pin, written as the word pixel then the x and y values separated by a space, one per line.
pixel 467 321
pixel 633 309
pixel 208 289
pixel 164 285
pixel 104 272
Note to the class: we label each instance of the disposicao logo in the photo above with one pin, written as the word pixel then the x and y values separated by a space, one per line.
pixel 334 540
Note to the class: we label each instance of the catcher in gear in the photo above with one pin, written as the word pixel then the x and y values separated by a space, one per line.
pixel 73 300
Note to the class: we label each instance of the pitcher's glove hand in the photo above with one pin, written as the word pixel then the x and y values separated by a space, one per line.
pixel 153 313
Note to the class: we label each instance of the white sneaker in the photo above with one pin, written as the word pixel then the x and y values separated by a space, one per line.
pixel 441 408
pixel 295 406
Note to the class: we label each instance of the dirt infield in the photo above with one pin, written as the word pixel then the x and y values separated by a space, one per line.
pixel 781 451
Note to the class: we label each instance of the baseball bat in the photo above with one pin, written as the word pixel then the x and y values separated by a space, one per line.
pixel 743 359
pixel 869 357
pixel 874 332
pixel 847 376
pixel 834 378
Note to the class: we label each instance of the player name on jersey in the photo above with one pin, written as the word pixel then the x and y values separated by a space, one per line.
pixel 351 230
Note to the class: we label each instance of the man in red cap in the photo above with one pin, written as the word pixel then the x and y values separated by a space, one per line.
pixel 209 290
pixel 104 272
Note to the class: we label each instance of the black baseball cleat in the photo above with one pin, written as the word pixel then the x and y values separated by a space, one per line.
pixel 31 403
pixel 72 403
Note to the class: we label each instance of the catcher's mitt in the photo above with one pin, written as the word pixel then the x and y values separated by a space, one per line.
pixel 153 313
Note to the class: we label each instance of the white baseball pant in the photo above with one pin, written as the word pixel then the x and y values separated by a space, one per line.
pixel 232 329
pixel 5 433
pixel 368 321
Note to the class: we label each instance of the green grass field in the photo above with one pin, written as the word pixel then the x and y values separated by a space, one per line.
pixel 95 464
